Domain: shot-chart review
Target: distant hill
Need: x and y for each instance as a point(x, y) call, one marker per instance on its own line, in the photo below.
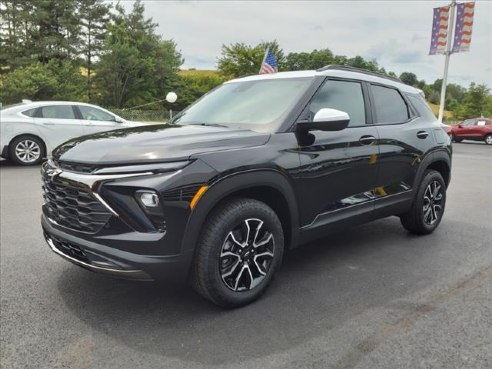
point(198, 72)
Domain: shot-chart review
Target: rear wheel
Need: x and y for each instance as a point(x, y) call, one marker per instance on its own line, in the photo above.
point(27, 150)
point(488, 139)
point(239, 251)
point(428, 205)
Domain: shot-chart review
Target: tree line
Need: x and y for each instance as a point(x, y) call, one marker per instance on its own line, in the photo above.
point(92, 51)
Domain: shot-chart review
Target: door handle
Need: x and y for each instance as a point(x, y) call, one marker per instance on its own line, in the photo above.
point(422, 134)
point(48, 124)
point(367, 140)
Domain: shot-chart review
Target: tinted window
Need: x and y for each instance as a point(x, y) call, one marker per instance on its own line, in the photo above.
point(469, 122)
point(389, 105)
point(422, 107)
point(90, 113)
point(30, 112)
point(58, 112)
point(341, 95)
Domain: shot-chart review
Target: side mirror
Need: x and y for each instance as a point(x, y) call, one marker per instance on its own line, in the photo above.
point(118, 120)
point(326, 119)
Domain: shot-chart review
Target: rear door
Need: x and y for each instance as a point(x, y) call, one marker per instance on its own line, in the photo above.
point(404, 139)
point(58, 123)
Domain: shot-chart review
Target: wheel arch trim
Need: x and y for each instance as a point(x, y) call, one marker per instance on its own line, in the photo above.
point(235, 183)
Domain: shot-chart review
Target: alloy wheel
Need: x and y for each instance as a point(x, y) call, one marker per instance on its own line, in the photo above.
point(432, 202)
point(488, 140)
point(27, 151)
point(246, 255)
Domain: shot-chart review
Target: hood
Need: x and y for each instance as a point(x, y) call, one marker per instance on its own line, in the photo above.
point(151, 143)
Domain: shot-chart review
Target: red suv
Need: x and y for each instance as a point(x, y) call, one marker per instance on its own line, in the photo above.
point(477, 129)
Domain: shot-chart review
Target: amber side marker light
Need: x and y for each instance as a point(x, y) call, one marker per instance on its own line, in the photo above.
point(197, 196)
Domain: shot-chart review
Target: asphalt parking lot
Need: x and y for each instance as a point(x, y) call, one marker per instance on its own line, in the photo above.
point(372, 297)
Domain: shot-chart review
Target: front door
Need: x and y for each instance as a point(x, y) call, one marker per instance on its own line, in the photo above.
point(338, 171)
point(58, 123)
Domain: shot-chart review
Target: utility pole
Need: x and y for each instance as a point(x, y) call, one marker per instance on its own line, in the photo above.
point(446, 61)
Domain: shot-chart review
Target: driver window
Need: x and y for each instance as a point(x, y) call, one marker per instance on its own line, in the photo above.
point(341, 95)
point(90, 113)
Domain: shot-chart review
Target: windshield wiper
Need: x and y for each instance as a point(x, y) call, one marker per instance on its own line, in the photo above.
point(209, 125)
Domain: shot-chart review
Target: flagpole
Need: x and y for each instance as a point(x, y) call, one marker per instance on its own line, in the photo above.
point(264, 58)
point(446, 61)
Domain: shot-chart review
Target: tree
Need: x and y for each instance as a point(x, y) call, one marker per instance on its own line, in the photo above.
point(191, 85)
point(94, 14)
point(38, 81)
point(314, 60)
point(475, 103)
point(409, 79)
point(239, 59)
point(136, 66)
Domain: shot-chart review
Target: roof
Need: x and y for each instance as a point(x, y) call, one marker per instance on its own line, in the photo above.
point(340, 73)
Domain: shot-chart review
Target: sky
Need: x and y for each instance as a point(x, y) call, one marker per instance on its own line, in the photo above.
point(394, 33)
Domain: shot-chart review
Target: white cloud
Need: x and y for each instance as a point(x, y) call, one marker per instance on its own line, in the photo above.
point(395, 33)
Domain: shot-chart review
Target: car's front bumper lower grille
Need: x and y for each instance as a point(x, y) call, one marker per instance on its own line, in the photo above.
point(73, 206)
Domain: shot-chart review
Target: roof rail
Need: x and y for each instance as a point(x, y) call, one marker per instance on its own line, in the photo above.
point(358, 70)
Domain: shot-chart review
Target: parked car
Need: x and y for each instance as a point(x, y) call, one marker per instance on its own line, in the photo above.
point(259, 165)
point(476, 129)
point(31, 130)
point(446, 128)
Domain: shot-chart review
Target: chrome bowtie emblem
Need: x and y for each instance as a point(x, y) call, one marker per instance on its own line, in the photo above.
point(53, 172)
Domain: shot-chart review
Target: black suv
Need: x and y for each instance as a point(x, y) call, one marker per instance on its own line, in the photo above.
point(259, 165)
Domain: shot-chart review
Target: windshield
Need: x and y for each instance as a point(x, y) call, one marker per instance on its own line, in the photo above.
point(258, 105)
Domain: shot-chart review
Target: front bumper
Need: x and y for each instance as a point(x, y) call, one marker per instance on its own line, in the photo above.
point(108, 260)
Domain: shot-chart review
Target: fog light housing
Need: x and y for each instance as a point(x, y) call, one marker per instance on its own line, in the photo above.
point(148, 199)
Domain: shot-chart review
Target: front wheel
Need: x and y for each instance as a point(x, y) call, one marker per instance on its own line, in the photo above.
point(455, 139)
point(428, 205)
point(238, 253)
point(488, 139)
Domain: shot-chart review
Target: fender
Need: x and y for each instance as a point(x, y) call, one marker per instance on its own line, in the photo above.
point(441, 154)
point(231, 184)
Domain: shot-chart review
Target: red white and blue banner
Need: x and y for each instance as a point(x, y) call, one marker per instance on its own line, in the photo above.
point(464, 26)
point(439, 36)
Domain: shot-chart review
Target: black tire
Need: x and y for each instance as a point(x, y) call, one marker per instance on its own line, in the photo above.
point(26, 150)
point(457, 140)
point(212, 263)
point(488, 139)
point(418, 220)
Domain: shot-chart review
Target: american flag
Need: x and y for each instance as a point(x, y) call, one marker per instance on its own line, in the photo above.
point(269, 63)
point(439, 36)
point(464, 25)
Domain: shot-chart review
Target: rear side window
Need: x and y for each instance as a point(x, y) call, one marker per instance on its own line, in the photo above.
point(423, 109)
point(57, 112)
point(30, 112)
point(389, 105)
point(341, 95)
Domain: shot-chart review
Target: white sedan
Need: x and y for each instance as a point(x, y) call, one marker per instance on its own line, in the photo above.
point(31, 130)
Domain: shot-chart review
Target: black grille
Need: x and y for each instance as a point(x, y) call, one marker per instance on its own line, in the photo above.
point(73, 207)
point(76, 167)
point(181, 194)
point(67, 248)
